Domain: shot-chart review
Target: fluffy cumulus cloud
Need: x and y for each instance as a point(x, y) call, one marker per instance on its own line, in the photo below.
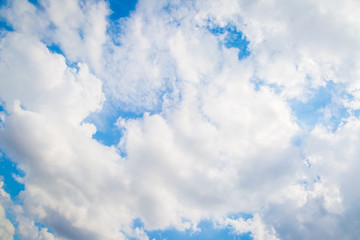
point(217, 109)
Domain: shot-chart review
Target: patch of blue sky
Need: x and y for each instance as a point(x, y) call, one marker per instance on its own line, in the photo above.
point(322, 107)
point(208, 231)
point(35, 3)
point(4, 25)
point(120, 11)
point(9, 172)
point(121, 8)
point(2, 112)
point(242, 215)
point(108, 133)
point(105, 121)
point(55, 48)
point(232, 38)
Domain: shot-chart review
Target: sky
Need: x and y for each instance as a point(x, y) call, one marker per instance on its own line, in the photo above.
point(172, 119)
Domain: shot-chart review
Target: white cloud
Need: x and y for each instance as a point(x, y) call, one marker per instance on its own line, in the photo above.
point(24, 17)
point(42, 81)
point(68, 179)
point(254, 225)
point(215, 146)
point(290, 41)
point(6, 228)
point(79, 28)
point(28, 231)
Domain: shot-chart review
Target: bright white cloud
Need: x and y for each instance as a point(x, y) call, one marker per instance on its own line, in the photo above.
point(43, 83)
point(221, 132)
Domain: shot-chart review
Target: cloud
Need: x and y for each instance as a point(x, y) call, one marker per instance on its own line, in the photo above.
point(214, 134)
point(6, 228)
point(55, 187)
point(25, 227)
point(43, 83)
point(254, 225)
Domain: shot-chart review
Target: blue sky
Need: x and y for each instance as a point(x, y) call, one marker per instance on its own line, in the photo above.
point(8, 168)
point(179, 119)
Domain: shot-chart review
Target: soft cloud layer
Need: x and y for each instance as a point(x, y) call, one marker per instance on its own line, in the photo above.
point(218, 131)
